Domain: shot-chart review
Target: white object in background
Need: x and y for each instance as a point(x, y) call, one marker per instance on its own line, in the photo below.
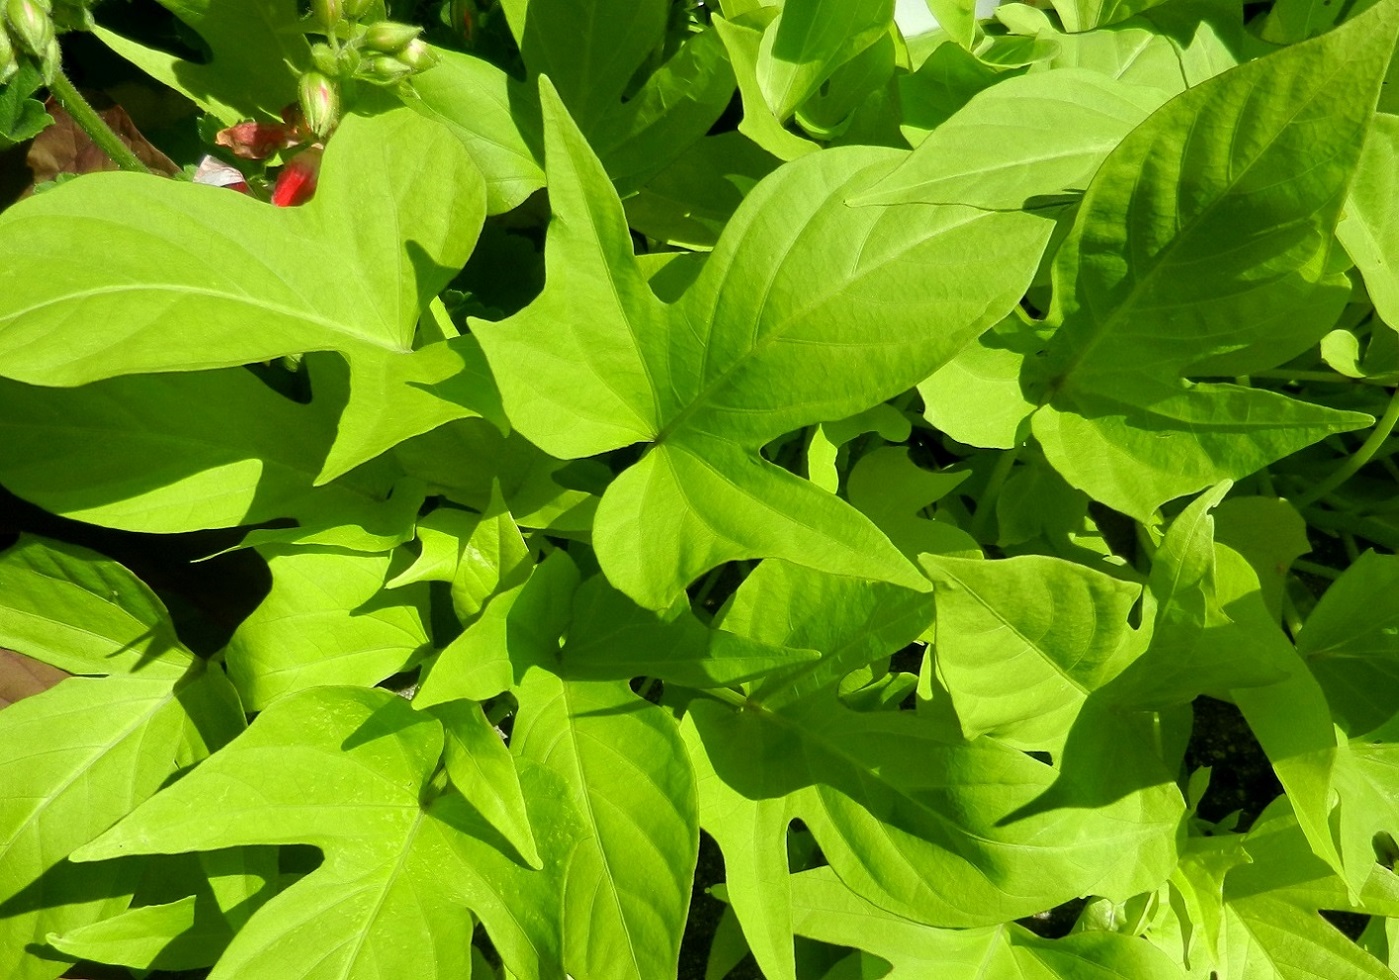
point(914, 17)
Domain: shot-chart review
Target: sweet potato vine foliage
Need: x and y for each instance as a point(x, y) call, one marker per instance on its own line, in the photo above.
point(735, 429)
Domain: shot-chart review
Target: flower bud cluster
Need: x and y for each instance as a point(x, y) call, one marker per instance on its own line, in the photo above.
point(382, 52)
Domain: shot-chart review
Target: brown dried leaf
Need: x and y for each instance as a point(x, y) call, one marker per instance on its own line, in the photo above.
point(21, 677)
point(64, 148)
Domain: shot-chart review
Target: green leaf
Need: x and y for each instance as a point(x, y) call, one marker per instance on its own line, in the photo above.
point(743, 39)
point(21, 118)
point(1021, 143)
point(182, 935)
point(1369, 227)
point(493, 117)
point(612, 638)
point(347, 770)
point(1270, 534)
point(262, 282)
point(626, 890)
point(483, 771)
point(83, 613)
point(750, 351)
point(178, 452)
point(590, 49)
point(676, 107)
point(1351, 644)
point(327, 620)
point(72, 760)
point(894, 492)
point(1232, 275)
point(1085, 15)
point(1022, 643)
point(257, 47)
point(809, 40)
point(828, 910)
point(520, 626)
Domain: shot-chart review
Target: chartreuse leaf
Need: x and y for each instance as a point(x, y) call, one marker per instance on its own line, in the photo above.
point(809, 40)
point(674, 108)
point(256, 49)
point(172, 936)
point(743, 39)
point(626, 888)
point(520, 626)
point(347, 770)
point(612, 638)
point(326, 620)
point(1270, 535)
point(590, 49)
point(1369, 228)
point(1022, 643)
point(893, 491)
point(262, 282)
point(83, 613)
point(1025, 141)
point(1191, 256)
point(778, 331)
point(482, 769)
point(73, 760)
point(1351, 645)
point(1271, 929)
point(828, 910)
point(890, 795)
point(491, 114)
point(175, 452)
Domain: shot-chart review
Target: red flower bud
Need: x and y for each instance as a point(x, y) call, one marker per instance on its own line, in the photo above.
point(258, 141)
point(320, 103)
point(297, 181)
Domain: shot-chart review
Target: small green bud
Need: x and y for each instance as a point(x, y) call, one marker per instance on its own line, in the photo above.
point(30, 26)
point(385, 69)
point(355, 9)
point(320, 103)
point(9, 60)
point(328, 12)
point(325, 60)
point(418, 55)
point(349, 61)
point(390, 37)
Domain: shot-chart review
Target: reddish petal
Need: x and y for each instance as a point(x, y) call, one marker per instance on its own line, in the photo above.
point(297, 181)
point(258, 141)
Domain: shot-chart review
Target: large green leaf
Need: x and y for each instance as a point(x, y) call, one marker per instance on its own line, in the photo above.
point(395, 216)
point(257, 47)
point(828, 910)
point(327, 620)
point(626, 888)
point(1023, 142)
point(83, 613)
point(1207, 256)
point(348, 770)
point(494, 117)
point(176, 452)
point(73, 760)
point(1351, 644)
point(774, 334)
point(590, 49)
point(1369, 230)
point(809, 40)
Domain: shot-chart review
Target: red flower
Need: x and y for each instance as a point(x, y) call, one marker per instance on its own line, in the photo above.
point(297, 181)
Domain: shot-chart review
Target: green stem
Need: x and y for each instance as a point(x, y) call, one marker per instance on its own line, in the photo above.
point(986, 506)
point(1312, 568)
point(1378, 435)
point(1330, 520)
point(92, 124)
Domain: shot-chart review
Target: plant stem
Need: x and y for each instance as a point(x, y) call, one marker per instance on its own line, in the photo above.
point(1312, 568)
point(1330, 520)
point(1378, 435)
point(986, 506)
point(93, 125)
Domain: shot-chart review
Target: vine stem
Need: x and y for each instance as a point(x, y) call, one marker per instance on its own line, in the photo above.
point(92, 124)
point(1378, 435)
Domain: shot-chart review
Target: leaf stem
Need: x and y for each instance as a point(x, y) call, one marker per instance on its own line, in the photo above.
point(1330, 520)
point(1377, 438)
point(986, 506)
point(1313, 568)
point(93, 125)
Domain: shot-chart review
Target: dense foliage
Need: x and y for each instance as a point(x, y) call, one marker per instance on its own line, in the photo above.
point(737, 425)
